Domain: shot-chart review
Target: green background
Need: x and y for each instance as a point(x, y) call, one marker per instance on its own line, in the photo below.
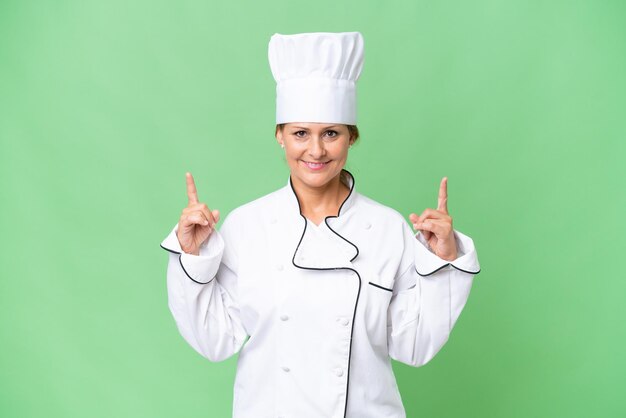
point(105, 104)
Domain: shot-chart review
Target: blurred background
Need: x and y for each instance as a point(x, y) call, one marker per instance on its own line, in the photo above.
point(105, 105)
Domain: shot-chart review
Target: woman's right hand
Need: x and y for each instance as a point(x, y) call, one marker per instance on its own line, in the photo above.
point(196, 222)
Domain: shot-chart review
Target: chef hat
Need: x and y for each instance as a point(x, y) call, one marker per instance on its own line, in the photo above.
point(316, 76)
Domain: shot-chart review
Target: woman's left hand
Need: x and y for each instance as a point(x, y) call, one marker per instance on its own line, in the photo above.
point(436, 226)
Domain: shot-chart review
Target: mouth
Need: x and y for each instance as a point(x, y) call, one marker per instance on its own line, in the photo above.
point(317, 165)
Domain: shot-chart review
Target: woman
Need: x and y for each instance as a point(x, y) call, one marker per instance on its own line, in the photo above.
point(316, 286)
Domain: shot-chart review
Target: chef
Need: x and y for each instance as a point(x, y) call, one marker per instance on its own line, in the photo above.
point(316, 286)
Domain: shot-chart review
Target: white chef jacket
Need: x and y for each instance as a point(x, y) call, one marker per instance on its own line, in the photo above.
point(316, 313)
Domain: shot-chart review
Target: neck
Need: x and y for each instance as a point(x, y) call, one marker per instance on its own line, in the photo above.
point(319, 202)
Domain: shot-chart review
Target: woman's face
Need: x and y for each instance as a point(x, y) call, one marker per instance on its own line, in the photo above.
point(315, 152)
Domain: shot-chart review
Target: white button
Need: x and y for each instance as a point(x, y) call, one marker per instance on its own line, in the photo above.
point(284, 317)
point(368, 225)
point(345, 321)
point(285, 368)
point(279, 267)
point(339, 372)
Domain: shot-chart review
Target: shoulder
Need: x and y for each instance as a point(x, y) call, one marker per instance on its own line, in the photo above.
point(378, 210)
point(256, 207)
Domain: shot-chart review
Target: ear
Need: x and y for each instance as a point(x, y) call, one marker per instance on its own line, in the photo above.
point(279, 136)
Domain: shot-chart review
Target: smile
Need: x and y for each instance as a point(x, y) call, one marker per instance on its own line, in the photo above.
point(314, 166)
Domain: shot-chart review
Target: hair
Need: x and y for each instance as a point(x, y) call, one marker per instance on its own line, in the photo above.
point(352, 129)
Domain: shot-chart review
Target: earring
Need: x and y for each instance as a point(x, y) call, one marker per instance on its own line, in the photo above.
point(282, 145)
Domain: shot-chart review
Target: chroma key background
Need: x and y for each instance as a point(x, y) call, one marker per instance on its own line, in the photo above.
point(105, 104)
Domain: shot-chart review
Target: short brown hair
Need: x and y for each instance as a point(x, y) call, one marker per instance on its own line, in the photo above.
point(354, 131)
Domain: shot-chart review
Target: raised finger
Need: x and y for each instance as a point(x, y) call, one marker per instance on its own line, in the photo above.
point(192, 193)
point(442, 201)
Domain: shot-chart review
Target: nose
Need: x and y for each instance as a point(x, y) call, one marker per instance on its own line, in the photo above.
point(316, 148)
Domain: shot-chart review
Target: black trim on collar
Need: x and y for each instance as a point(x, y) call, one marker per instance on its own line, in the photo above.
point(381, 287)
point(293, 261)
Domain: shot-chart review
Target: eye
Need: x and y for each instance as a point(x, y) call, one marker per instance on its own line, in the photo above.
point(332, 133)
point(298, 134)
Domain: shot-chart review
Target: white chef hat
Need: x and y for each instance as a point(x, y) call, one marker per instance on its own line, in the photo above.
point(316, 76)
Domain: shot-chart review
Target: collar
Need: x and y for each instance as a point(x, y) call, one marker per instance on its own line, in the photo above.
point(347, 203)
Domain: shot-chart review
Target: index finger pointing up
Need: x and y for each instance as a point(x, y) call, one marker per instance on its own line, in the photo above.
point(442, 201)
point(192, 193)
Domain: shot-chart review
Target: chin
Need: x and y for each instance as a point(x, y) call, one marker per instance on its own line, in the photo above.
point(315, 179)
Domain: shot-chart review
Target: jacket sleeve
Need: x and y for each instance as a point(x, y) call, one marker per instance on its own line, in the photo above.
point(428, 296)
point(202, 294)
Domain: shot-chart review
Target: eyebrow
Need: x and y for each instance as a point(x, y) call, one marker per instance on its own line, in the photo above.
point(305, 128)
